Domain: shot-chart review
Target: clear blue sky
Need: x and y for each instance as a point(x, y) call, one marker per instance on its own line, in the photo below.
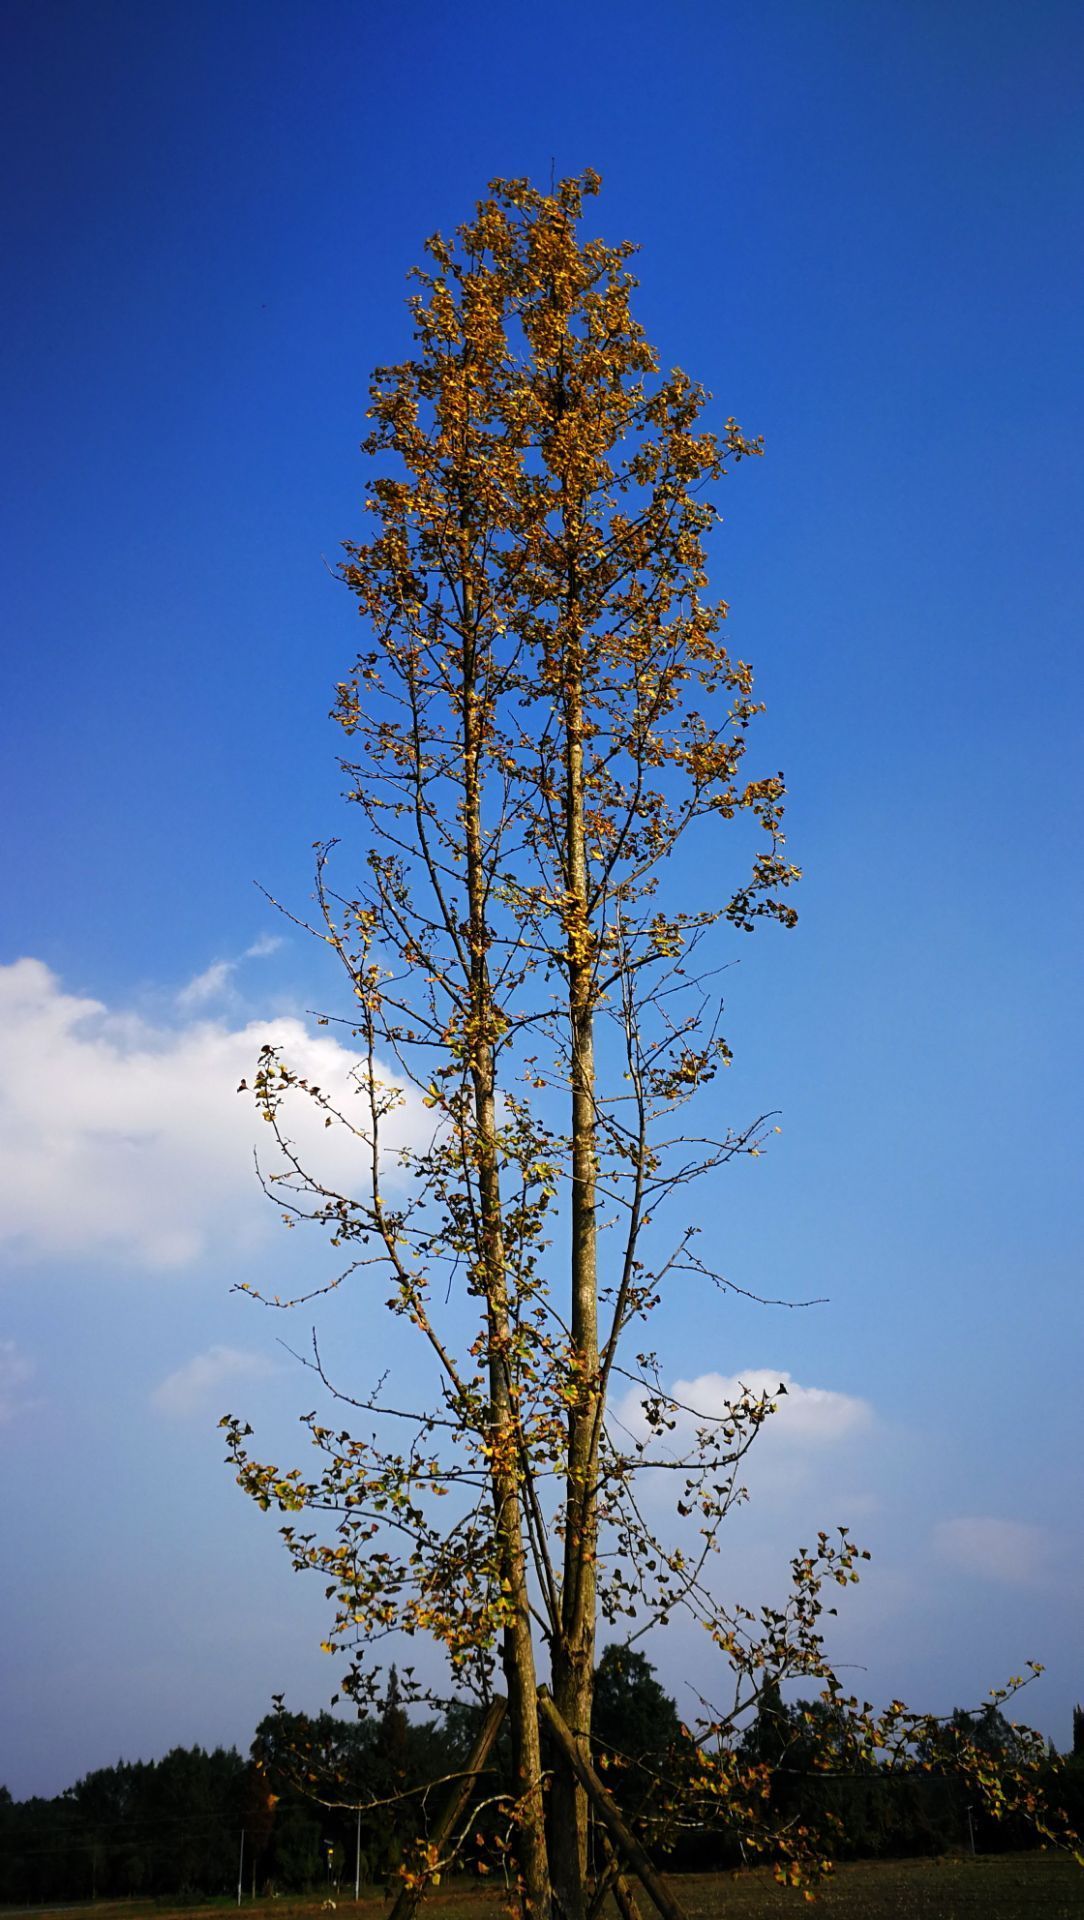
point(860, 225)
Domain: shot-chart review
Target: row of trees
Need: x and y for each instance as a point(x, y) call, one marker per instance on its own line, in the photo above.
point(136, 1828)
point(202, 1822)
point(322, 1800)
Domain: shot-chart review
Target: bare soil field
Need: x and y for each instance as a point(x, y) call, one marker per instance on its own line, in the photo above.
point(1005, 1887)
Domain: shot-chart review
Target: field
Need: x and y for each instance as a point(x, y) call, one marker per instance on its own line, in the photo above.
point(1006, 1887)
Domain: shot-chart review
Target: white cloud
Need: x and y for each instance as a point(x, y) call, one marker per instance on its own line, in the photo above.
point(216, 980)
point(267, 943)
point(814, 1434)
point(804, 1416)
point(208, 985)
point(191, 1388)
point(815, 1416)
point(122, 1138)
point(15, 1372)
point(1009, 1552)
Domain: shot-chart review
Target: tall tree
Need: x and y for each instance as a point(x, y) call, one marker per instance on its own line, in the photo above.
point(632, 1717)
point(542, 714)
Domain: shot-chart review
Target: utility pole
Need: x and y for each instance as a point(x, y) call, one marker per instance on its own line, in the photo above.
point(240, 1866)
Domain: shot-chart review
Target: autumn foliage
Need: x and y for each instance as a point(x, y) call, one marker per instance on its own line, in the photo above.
point(542, 712)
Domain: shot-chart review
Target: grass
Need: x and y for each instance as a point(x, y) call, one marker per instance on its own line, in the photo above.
point(1029, 1886)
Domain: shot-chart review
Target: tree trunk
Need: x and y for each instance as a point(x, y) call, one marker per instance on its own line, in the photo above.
point(504, 1451)
point(574, 1654)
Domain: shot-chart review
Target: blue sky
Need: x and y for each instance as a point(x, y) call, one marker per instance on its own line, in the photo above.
point(860, 228)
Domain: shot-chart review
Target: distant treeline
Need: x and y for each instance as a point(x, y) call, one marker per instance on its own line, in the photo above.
point(320, 1798)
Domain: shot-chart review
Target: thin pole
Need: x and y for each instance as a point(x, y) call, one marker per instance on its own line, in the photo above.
point(357, 1858)
point(240, 1866)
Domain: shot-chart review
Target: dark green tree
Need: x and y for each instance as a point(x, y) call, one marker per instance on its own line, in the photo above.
point(771, 1733)
point(634, 1718)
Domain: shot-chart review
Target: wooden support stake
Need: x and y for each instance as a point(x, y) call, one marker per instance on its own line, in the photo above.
point(623, 1894)
point(627, 1844)
point(408, 1898)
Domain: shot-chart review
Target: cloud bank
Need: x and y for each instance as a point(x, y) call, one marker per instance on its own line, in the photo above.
point(125, 1139)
